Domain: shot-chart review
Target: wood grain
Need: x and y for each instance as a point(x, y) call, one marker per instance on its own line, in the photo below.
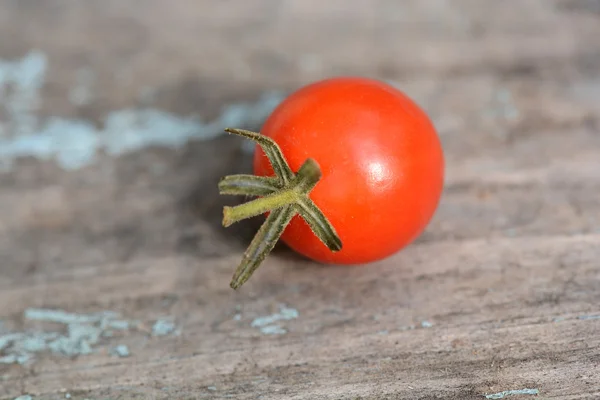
point(502, 292)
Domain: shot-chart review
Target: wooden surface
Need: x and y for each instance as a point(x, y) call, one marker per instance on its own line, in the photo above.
point(502, 293)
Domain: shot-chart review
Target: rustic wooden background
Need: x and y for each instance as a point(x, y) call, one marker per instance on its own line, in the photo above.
point(118, 211)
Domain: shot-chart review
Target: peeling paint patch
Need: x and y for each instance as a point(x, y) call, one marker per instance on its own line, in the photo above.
point(14, 359)
point(24, 397)
point(63, 317)
point(20, 84)
point(426, 324)
point(163, 327)
point(588, 317)
point(120, 351)
point(74, 143)
point(506, 393)
point(78, 336)
point(268, 324)
point(273, 330)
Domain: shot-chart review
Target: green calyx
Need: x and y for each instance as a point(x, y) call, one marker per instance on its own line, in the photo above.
point(282, 196)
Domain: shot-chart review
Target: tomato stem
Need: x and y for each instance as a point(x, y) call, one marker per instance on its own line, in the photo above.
point(259, 206)
point(282, 196)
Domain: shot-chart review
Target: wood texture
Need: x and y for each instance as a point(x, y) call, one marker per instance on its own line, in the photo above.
point(502, 292)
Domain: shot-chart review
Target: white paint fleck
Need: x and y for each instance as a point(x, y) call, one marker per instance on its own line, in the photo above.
point(588, 317)
point(285, 313)
point(506, 393)
point(237, 317)
point(426, 324)
point(163, 327)
point(79, 340)
point(74, 143)
point(120, 351)
point(5, 340)
point(15, 359)
point(35, 343)
point(119, 325)
point(273, 330)
point(24, 397)
point(212, 388)
point(20, 83)
point(267, 324)
point(63, 317)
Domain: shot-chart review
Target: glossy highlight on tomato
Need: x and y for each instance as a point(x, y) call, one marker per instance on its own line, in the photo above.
point(381, 161)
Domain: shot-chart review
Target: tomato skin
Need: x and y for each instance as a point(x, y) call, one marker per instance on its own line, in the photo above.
point(381, 159)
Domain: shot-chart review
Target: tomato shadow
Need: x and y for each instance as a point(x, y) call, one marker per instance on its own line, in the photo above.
point(285, 253)
point(201, 202)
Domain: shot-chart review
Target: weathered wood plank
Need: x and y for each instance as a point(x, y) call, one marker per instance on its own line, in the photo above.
point(484, 313)
point(501, 293)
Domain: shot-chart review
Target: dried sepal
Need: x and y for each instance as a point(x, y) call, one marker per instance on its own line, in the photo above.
point(262, 244)
point(282, 196)
point(272, 151)
point(248, 185)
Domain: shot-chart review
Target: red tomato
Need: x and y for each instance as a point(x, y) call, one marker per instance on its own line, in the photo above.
point(381, 159)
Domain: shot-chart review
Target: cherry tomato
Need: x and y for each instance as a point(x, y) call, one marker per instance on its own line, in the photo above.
point(381, 159)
